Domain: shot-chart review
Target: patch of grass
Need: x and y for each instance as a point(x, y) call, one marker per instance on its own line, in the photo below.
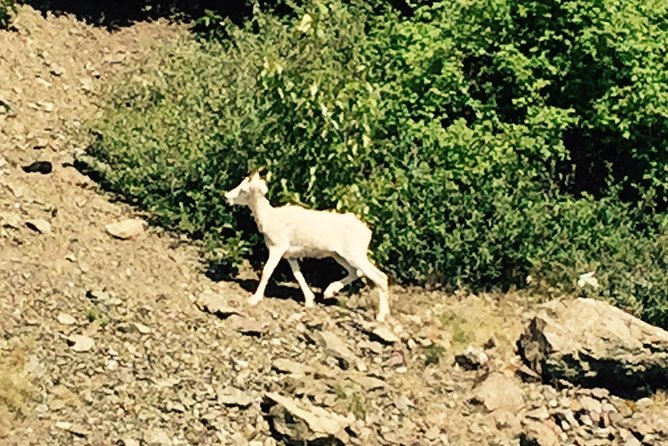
point(460, 327)
point(339, 391)
point(474, 320)
point(94, 314)
point(433, 354)
point(15, 388)
point(358, 406)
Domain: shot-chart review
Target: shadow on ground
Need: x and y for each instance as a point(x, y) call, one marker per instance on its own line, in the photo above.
point(115, 14)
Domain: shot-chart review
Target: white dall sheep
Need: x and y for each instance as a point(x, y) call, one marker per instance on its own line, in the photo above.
point(293, 232)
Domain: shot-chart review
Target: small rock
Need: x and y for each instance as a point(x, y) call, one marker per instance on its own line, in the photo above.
point(247, 326)
point(64, 425)
point(175, 407)
point(499, 392)
point(539, 414)
point(130, 442)
point(40, 143)
point(590, 404)
point(231, 396)
point(600, 393)
point(403, 403)
point(10, 220)
point(372, 346)
point(586, 420)
point(56, 405)
point(432, 433)
point(47, 106)
point(86, 83)
point(39, 225)
point(78, 430)
point(126, 229)
point(97, 296)
point(80, 343)
point(156, 437)
point(628, 438)
point(368, 382)
point(506, 420)
point(472, 359)
point(384, 335)
point(288, 366)
point(141, 328)
point(43, 167)
point(567, 419)
point(56, 70)
point(539, 434)
point(396, 360)
point(301, 422)
point(215, 304)
point(66, 319)
point(335, 347)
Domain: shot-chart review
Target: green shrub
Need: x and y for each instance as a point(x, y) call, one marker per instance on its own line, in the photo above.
point(444, 131)
point(7, 10)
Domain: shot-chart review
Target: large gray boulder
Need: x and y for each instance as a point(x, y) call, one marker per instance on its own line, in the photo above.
point(594, 344)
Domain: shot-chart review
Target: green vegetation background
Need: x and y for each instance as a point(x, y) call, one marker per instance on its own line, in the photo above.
point(488, 143)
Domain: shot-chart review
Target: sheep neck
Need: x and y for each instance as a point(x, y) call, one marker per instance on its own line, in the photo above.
point(260, 208)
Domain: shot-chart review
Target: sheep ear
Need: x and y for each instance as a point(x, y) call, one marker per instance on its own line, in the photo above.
point(255, 173)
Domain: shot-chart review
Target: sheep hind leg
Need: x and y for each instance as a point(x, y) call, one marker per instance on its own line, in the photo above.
point(380, 279)
point(309, 297)
point(338, 285)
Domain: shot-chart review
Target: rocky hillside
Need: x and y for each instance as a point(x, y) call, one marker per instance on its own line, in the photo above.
point(112, 335)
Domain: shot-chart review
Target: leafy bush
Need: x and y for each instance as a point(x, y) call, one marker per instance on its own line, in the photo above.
point(7, 10)
point(449, 131)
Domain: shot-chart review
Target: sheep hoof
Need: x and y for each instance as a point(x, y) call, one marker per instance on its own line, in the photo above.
point(254, 299)
point(380, 317)
point(309, 301)
point(331, 290)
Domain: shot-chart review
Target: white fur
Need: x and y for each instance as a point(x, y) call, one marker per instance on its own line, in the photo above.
point(293, 232)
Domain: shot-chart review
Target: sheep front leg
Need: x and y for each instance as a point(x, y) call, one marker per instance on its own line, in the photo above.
point(309, 297)
point(275, 255)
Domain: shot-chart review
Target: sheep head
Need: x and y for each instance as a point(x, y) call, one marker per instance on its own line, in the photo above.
point(251, 186)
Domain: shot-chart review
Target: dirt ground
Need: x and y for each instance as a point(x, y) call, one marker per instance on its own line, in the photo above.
point(161, 370)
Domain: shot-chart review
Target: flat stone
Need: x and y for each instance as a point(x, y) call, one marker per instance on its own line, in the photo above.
point(288, 366)
point(247, 326)
point(10, 219)
point(66, 319)
point(215, 304)
point(335, 347)
point(80, 343)
point(385, 335)
point(231, 396)
point(539, 414)
point(298, 421)
point(368, 382)
point(157, 437)
point(499, 392)
point(39, 225)
point(141, 328)
point(126, 229)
